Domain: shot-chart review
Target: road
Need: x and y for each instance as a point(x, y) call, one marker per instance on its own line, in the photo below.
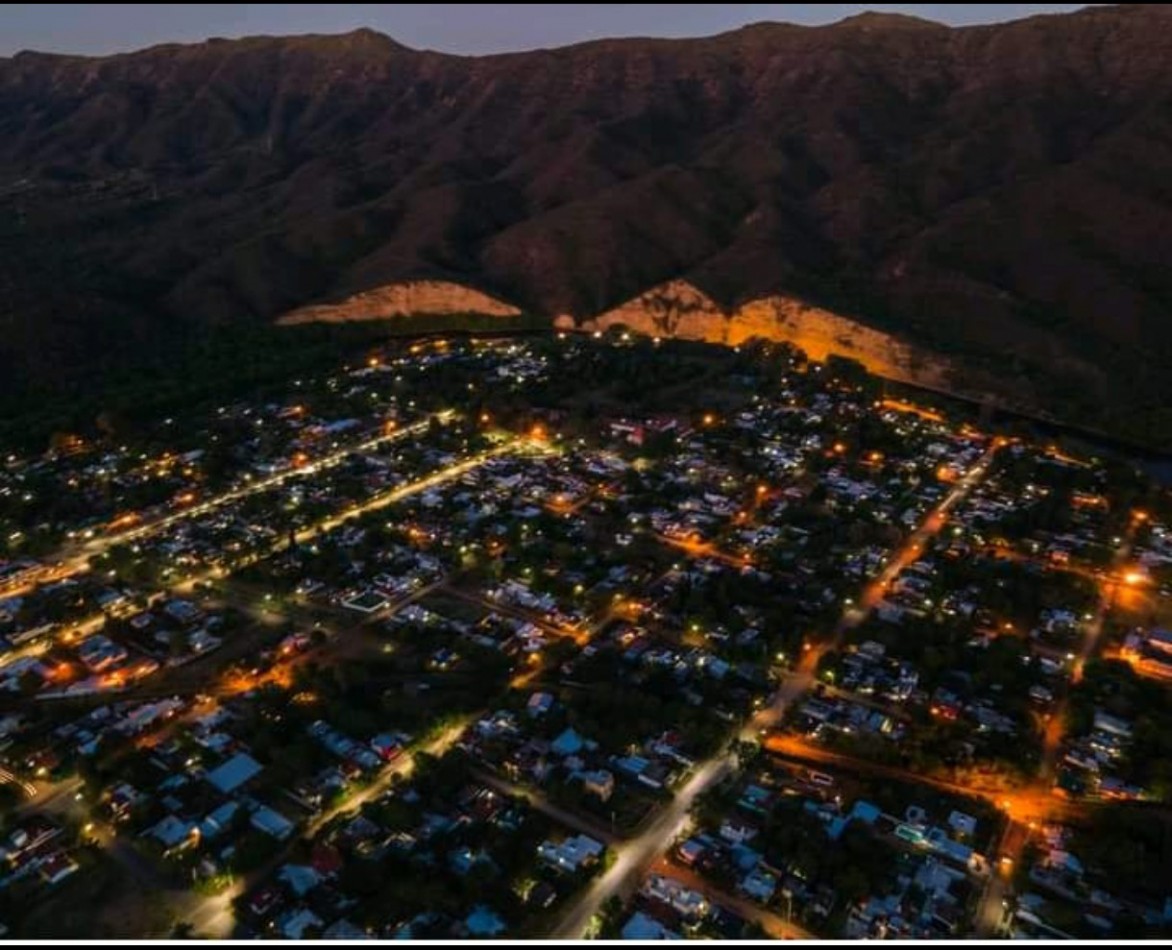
point(559, 506)
point(635, 856)
point(994, 905)
point(401, 768)
point(1028, 803)
point(54, 798)
point(8, 778)
point(1109, 586)
point(100, 545)
point(74, 558)
point(434, 480)
point(913, 547)
point(704, 549)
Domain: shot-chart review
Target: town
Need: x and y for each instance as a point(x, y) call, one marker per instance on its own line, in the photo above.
point(566, 635)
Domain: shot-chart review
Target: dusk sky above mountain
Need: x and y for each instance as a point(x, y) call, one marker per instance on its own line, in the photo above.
point(103, 28)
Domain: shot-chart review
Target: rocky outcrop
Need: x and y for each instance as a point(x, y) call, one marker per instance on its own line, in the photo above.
point(411, 298)
point(679, 309)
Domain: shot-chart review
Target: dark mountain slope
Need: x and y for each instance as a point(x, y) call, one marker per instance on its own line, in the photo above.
point(1001, 193)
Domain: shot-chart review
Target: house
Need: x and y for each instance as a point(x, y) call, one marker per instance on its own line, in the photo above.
point(939, 842)
point(172, 832)
point(1112, 725)
point(651, 774)
point(570, 854)
point(387, 747)
point(759, 884)
point(202, 642)
point(568, 743)
point(57, 867)
point(123, 797)
point(182, 611)
point(756, 799)
point(735, 831)
point(962, 824)
point(690, 903)
point(500, 723)
point(214, 823)
point(110, 600)
point(539, 704)
point(264, 901)
point(463, 859)
point(293, 924)
point(865, 812)
point(599, 782)
point(100, 653)
point(668, 746)
point(690, 851)
point(299, 878)
point(484, 923)
point(272, 823)
point(234, 773)
point(343, 930)
point(642, 927)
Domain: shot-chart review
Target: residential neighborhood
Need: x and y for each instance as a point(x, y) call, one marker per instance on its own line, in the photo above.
point(585, 635)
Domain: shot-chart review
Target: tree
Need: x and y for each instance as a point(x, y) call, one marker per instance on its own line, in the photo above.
point(611, 914)
point(177, 643)
point(29, 683)
point(746, 753)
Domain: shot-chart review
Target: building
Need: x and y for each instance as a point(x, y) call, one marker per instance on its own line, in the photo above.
point(571, 854)
point(234, 773)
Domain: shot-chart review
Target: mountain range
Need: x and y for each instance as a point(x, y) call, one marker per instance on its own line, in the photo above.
point(985, 209)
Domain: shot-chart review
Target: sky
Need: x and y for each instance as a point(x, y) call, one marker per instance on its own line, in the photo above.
point(97, 28)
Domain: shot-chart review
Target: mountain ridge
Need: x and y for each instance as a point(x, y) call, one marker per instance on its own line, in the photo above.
point(995, 193)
